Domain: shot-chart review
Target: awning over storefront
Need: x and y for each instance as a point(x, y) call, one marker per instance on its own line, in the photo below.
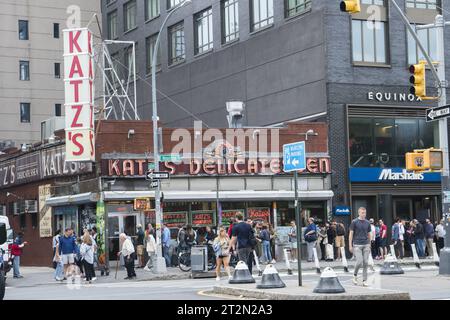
point(81, 198)
point(223, 195)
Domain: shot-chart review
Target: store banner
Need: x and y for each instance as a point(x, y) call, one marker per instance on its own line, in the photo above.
point(259, 214)
point(227, 215)
point(45, 212)
point(397, 175)
point(79, 94)
point(203, 218)
point(175, 219)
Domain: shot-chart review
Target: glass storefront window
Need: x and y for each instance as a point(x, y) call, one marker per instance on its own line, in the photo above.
point(286, 212)
point(383, 142)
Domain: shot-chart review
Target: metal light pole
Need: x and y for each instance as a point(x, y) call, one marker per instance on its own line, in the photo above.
point(160, 264)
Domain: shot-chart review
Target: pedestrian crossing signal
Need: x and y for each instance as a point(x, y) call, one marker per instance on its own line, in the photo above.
point(351, 6)
point(414, 161)
point(424, 160)
point(418, 79)
point(433, 159)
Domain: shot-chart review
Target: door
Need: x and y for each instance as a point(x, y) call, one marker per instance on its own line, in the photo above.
point(117, 224)
point(403, 209)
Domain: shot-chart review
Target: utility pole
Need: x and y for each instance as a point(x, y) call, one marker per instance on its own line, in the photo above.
point(441, 84)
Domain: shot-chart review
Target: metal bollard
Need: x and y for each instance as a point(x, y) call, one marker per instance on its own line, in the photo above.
point(288, 264)
point(316, 261)
point(344, 259)
point(435, 255)
point(257, 263)
point(415, 256)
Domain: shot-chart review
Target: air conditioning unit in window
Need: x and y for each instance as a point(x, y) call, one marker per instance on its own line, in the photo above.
point(31, 206)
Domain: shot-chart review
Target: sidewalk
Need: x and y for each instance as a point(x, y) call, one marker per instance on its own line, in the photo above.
point(35, 276)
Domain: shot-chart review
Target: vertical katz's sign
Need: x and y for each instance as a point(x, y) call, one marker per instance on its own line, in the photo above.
point(79, 92)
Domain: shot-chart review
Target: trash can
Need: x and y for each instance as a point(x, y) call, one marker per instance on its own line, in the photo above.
point(199, 259)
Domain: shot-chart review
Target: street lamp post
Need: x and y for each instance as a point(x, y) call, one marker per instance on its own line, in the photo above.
point(161, 264)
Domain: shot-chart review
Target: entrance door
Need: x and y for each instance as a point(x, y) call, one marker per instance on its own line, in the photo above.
point(117, 224)
point(403, 209)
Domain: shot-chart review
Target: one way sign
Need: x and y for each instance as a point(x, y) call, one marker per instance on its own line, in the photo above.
point(438, 113)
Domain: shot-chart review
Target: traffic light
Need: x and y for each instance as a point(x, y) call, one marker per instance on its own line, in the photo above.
point(433, 159)
point(351, 6)
point(418, 79)
point(414, 161)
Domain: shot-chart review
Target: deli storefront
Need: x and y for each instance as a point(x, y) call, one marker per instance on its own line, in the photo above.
point(209, 193)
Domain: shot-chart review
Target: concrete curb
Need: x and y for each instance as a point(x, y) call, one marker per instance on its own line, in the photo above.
point(271, 295)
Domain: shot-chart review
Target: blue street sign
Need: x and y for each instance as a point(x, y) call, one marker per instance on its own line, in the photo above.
point(294, 156)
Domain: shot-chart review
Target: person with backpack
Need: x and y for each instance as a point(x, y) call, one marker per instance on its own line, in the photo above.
point(221, 247)
point(87, 257)
point(243, 239)
point(311, 238)
point(265, 237)
point(340, 239)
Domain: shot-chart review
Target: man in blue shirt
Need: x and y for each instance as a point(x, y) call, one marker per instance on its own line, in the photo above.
point(243, 239)
point(67, 248)
point(165, 239)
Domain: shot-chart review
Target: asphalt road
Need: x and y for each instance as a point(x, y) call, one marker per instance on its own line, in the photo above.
point(422, 284)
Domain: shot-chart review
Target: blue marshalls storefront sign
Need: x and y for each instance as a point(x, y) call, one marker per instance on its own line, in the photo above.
point(393, 175)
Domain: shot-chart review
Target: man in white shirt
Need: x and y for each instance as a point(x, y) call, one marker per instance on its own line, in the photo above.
point(440, 234)
point(128, 255)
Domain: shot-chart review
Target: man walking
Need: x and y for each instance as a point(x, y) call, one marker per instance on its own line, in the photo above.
point(359, 244)
point(440, 235)
point(243, 236)
point(340, 239)
point(128, 255)
point(67, 248)
point(165, 240)
point(429, 236)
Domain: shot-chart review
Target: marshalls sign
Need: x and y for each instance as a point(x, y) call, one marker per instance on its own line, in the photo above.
point(79, 92)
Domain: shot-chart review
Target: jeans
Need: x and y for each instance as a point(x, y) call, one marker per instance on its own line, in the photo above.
point(310, 246)
point(266, 250)
point(166, 256)
point(59, 271)
point(361, 253)
point(16, 266)
point(246, 255)
point(420, 246)
point(151, 260)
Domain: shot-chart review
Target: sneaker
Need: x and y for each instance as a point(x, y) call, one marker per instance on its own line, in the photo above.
point(365, 284)
point(94, 279)
point(355, 280)
point(146, 268)
point(230, 277)
point(273, 261)
point(217, 278)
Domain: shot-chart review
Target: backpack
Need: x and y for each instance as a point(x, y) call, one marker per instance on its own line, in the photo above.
point(340, 231)
point(252, 239)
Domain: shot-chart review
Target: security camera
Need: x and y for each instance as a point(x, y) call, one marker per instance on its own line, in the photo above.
point(235, 108)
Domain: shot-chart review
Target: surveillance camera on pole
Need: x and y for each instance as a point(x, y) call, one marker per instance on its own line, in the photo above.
point(235, 113)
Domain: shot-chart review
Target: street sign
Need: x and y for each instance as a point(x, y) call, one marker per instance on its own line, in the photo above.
point(438, 113)
point(150, 166)
point(154, 184)
point(157, 175)
point(170, 157)
point(294, 156)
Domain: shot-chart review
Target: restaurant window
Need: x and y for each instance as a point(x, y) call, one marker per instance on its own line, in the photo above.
point(261, 14)
point(112, 24)
point(383, 142)
point(23, 30)
point(150, 43)
point(152, 9)
point(177, 49)
point(203, 28)
point(129, 14)
point(427, 38)
point(230, 20)
point(294, 7)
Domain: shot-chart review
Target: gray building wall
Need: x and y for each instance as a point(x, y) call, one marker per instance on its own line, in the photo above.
point(278, 72)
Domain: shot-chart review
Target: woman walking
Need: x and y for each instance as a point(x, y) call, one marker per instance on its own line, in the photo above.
point(87, 256)
point(222, 249)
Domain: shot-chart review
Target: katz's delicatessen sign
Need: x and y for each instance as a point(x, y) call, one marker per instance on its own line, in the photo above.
point(79, 94)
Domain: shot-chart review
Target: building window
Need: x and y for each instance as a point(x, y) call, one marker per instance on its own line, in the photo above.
point(129, 13)
point(369, 41)
point(129, 62)
point(203, 31)
point(261, 14)
point(230, 20)
point(23, 29)
point(428, 39)
point(24, 70)
point(294, 7)
point(56, 30)
point(152, 9)
point(373, 2)
point(25, 113)
point(58, 110)
point(383, 142)
point(57, 70)
point(422, 4)
point(108, 2)
point(150, 43)
point(173, 3)
point(112, 25)
point(177, 50)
